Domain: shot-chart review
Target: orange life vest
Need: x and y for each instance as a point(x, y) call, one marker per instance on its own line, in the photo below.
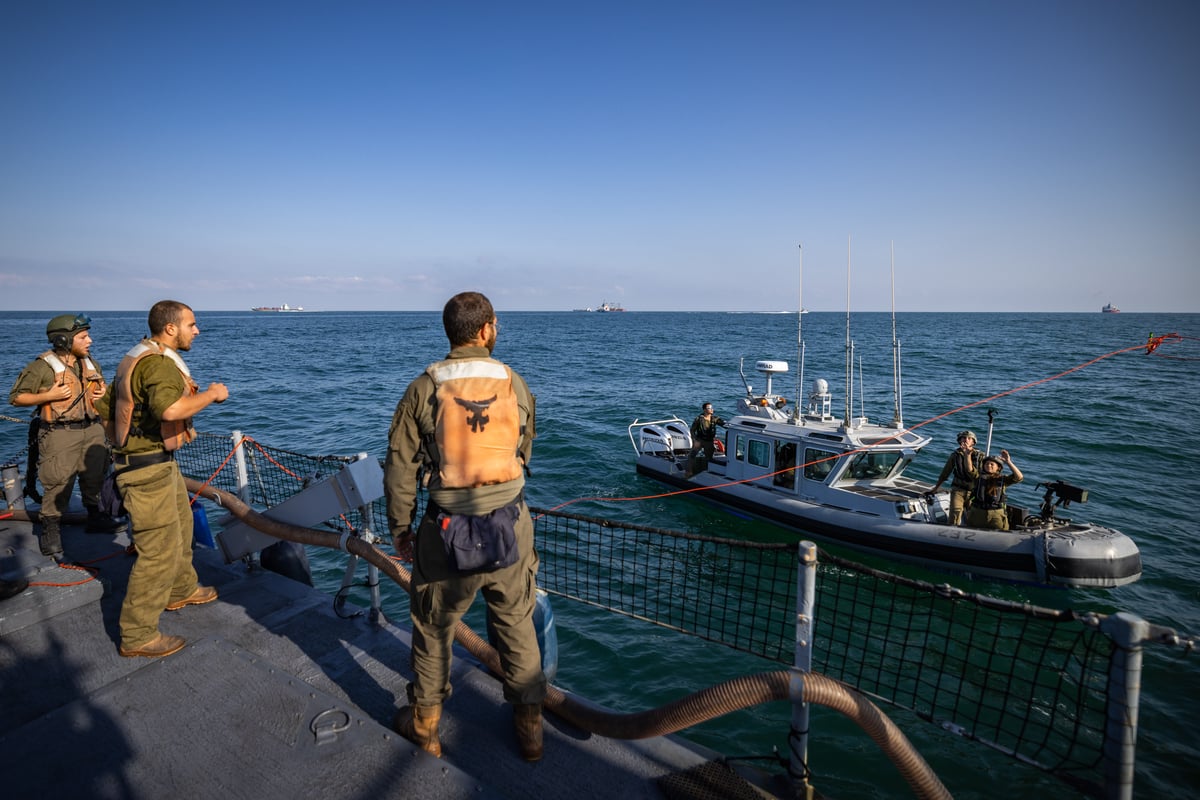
point(80, 405)
point(175, 433)
point(477, 422)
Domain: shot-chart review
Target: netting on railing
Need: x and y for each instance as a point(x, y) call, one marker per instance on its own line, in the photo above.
point(1031, 682)
point(273, 475)
point(741, 594)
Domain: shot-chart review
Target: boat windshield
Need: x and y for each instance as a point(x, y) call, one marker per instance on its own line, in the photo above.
point(869, 465)
point(818, 464)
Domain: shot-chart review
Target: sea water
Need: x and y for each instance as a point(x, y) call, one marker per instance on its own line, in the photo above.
point(1123, 427)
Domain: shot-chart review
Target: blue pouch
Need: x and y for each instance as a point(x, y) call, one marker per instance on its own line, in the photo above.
point(480, 543)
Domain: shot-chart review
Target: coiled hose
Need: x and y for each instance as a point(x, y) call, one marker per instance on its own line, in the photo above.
point(706, 704)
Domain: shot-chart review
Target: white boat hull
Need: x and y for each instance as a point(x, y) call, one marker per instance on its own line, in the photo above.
point(1063, 554)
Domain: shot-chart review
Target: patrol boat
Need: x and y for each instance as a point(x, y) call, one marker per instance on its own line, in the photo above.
point(843, 480)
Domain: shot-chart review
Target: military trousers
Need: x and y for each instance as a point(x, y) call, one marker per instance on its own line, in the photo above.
point(439, 597)
point(64, 454)
point(160, 520)
point(960, 501)
point(996, 518)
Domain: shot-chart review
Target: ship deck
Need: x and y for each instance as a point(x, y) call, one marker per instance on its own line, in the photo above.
point(275, 695)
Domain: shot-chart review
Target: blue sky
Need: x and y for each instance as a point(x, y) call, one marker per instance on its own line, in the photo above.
point(1021, 156)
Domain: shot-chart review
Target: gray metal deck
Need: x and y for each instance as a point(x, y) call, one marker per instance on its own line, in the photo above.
point(274, 696)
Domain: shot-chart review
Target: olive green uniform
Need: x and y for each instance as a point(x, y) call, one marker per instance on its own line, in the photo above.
point(66, 449)
point(157, 501)
point(439, 596)
point(963, 482)
point(993, 518)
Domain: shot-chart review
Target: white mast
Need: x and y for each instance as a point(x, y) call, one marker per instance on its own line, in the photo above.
point(898, 413)
point(849, 357)
point(797, 417)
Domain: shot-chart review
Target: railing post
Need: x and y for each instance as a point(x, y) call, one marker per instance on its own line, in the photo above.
point(1127, 632)
point(806, 592)
point(368, 535)
point(243, 477)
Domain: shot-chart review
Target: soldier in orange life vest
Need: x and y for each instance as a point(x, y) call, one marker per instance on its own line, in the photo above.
point(469, 422)
point(64, 384)
point(148, 411)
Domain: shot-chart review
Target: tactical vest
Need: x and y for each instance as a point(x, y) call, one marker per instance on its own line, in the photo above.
point(477, 423)
point(963, 478)
point(80, 405)
point(175, 433)
point(989, 493)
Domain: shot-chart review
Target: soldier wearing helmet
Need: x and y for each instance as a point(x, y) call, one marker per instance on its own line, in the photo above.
point(989, 506)
point(63, 384)
point(964, 464)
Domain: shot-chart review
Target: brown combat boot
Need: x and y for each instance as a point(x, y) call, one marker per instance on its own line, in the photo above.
point(419, 724)
point(527, 722)
point(161, 645)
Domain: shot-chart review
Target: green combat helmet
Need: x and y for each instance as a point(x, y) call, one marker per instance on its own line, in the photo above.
point(62, 329)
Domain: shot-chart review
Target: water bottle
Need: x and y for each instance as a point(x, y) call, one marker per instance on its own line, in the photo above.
point(201, 533)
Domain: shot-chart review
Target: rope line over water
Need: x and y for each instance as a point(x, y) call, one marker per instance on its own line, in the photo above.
point(1150, 347)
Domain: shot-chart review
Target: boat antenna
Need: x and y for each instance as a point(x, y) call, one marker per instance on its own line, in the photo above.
point(797, 417)
point(991, 419)
point(862, 400)
point(898, 412)
point(849, 364)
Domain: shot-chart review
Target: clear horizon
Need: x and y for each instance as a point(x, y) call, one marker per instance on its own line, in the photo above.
point(1032, 157)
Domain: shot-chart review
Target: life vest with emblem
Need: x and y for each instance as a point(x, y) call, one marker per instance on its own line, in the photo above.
point(477, 423)
point(175, 433)
point(80, 405)
point(989, 493)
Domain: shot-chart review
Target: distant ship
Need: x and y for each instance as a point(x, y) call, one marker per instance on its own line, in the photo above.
point(284, 307)
point(1109, 308)
point(607, 306)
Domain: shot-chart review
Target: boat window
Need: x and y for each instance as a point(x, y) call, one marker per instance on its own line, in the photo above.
point(871, 465)
point(759, 453)
point(818, 464)
point(785, 464)
point(739, 448)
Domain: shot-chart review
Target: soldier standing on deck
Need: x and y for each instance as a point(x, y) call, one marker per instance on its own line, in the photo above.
point(149, 410)
point(64, 384)
point(471, 418)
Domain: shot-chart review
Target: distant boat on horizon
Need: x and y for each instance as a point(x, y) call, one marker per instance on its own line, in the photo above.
point(1109, 308)
point(607, 306)
point(282, 308)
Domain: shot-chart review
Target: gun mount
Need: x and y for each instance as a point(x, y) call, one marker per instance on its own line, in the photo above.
point(1060, 493)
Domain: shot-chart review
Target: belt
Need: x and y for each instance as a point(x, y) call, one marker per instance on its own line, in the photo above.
point(142, 459)
point(77, 424)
